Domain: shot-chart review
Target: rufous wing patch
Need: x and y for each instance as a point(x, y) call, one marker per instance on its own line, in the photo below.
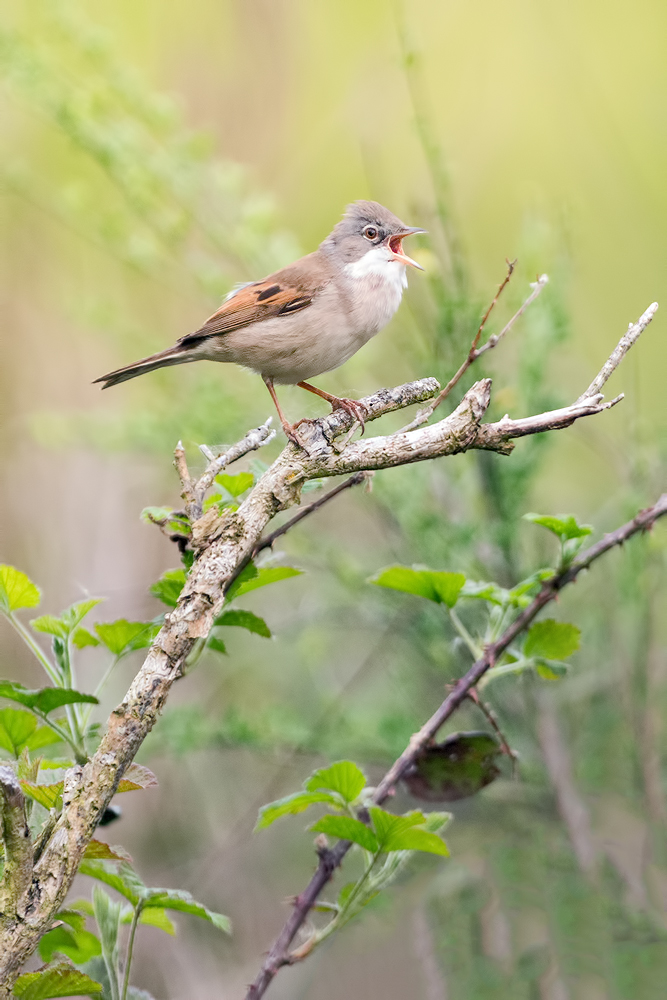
point(251, 304)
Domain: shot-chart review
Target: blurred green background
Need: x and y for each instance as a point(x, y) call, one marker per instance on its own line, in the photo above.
point(153, 154)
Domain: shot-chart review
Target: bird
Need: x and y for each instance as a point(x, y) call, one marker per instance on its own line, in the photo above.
point(307, 318)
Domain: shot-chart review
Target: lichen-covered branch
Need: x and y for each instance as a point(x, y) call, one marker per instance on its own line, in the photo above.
point(15, 839)
point(223, 543)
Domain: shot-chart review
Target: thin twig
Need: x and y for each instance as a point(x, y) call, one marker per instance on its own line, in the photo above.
point(268, 540)
point(475, 351)
point(630, 337)
point(279, 955)
point(253, 440)
point(492, 719)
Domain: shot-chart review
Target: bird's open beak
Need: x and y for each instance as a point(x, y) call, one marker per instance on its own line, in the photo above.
point(396, 247)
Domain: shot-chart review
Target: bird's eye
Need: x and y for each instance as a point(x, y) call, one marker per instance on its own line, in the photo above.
point(371, 233)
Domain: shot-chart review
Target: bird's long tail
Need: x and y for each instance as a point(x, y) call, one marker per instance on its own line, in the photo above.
point(177, 355)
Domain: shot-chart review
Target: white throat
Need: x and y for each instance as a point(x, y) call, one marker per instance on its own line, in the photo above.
point(377, 263)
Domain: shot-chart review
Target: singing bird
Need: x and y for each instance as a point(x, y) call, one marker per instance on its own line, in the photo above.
point(309, 317)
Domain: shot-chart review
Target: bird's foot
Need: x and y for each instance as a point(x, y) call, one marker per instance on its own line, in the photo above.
point(356, 409)
point(291, 434)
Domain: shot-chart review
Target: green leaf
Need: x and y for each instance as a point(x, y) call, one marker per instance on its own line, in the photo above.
point(168, 588)
point(552, 640)
point(262, 578)
point(236, 485)
point(43, 736)
point(137, 776)
point(249, 572)
point(44, 699)
point(182, 902)
point(244, 619)
point(82, 638)
point(441, 587)
point(346, 828)
point(16, 590)
point(157, 917)
point(61, 980)
point(178, 524)
point(16, 728)
point(122, 637)
point(119, 875)
point(107, 915)
point(389, 827)
point(217, 645)
point(49, 796)
point(343, 777)
point(550, 670)
point(490, 592)
point(564, 527)
point(80, 945)
point(417, 840)
point(51, 625)
point(460, 766)
point(290, 806)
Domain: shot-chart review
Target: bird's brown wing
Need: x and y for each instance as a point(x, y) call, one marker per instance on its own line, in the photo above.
point(282, 293)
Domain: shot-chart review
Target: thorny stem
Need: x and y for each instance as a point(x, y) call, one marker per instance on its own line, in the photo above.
point(279, 953)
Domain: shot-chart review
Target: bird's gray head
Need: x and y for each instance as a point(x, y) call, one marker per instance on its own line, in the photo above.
point(368, 226)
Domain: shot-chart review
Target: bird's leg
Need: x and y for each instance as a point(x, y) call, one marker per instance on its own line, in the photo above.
point(286, 426)
point(356, 409)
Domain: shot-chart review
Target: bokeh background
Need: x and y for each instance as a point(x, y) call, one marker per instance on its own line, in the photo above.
point(152, 154)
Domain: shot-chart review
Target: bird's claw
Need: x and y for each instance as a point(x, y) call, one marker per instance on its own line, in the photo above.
point(356, 410)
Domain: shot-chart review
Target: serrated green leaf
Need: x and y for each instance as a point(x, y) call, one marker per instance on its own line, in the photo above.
point(16, 728)
point(79, 945)
point(290, 806)
point(236, 485)
point(388, 826)
point(441, 587)
point(552, 640)
point(16, 590)
point(50, 796)
point(51, 625)
point(61, 980)
point(168, 588)
point(347, 828)
point(262, 578)
point(154, 916)
point(82, 638)
point(44, 699)
point(119, 875)
point(565, 526)
point(122, 636)
point(216, 644)
point(244, 619)
point(182, 902)
point(249, 572)
point(417, 840)
point(343, 777)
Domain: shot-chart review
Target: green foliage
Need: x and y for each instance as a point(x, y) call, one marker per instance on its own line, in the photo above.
point(570, 534)
point(235, 485)
point(16, 590)
point(122, 637)
point(168, 588)
point(441, 587)
point(343, 778)
point(60, 980)
point(19, 731)
point(347, 828)
point(244, 619)
point(62, 626)
point(44, 700)
point(551, 639)
point(252, 577)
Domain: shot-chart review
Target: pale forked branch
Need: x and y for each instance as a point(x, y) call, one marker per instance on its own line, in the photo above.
point(223, 542)
point(630, 337)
